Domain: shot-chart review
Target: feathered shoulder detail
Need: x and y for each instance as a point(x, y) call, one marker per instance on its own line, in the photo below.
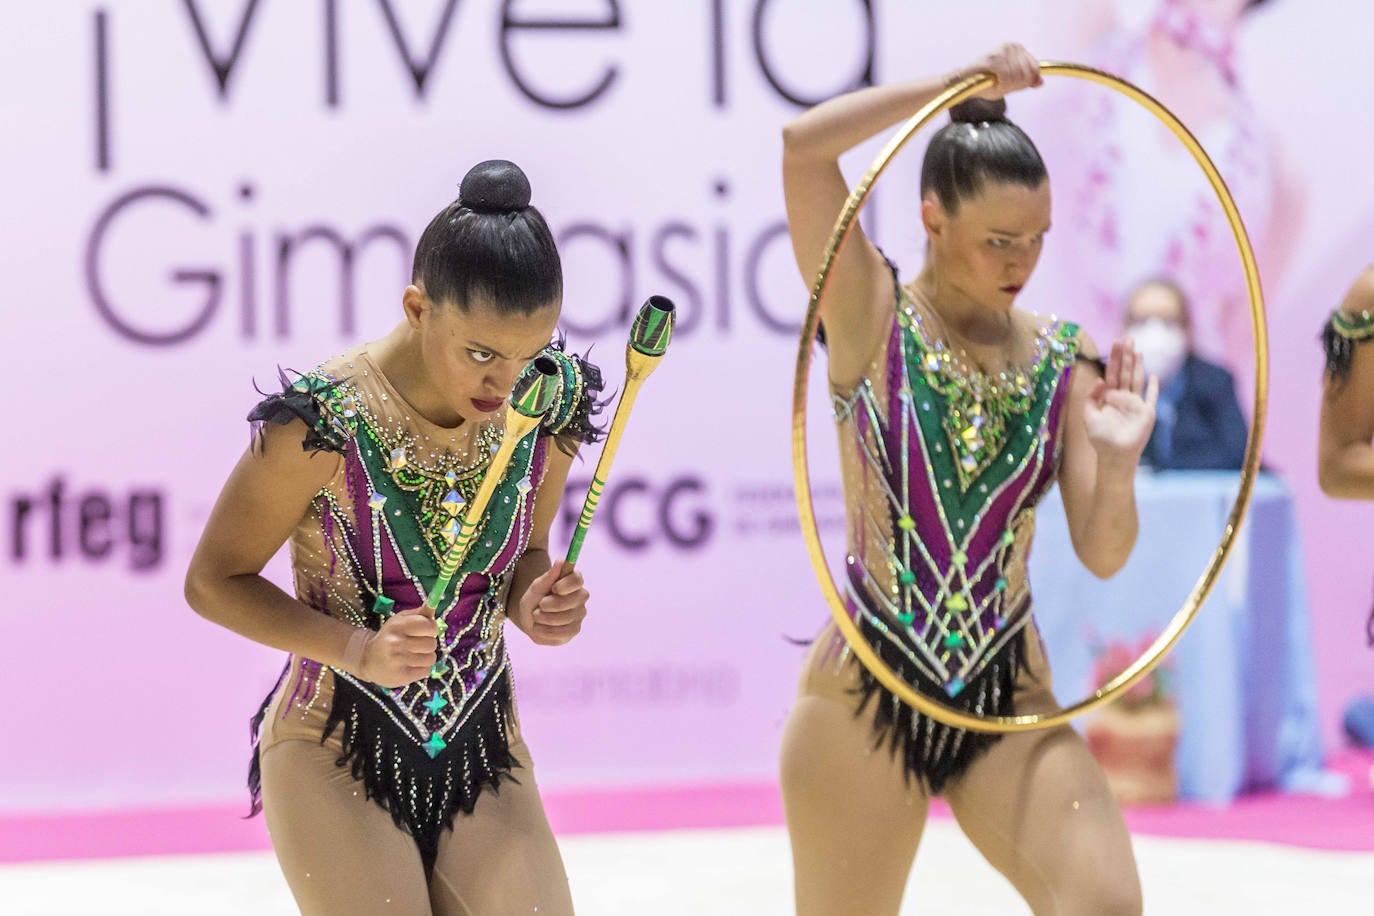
point(325, 404)
point(572, 421)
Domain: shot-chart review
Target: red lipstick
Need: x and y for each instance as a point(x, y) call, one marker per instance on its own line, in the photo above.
point(487, 406)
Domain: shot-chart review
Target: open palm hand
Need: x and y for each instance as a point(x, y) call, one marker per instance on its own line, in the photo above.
point(1120, 412)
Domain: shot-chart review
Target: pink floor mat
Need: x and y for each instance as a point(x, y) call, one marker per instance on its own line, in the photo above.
point(1345, 823)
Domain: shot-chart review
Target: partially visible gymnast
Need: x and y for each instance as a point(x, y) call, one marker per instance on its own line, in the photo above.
point(388, 758)
point(957, 411)
point(1345, 455)
point(1345, 444)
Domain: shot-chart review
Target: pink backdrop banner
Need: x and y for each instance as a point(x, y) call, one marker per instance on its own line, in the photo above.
point(197, 193)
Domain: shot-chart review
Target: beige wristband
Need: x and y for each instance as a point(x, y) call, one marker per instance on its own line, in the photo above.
point(353, 652)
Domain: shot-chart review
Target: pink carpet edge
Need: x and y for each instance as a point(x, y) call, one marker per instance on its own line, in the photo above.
point(1345, 824)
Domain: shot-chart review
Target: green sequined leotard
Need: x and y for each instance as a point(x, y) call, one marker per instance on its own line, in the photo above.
point(371, 543)
point(943, 467)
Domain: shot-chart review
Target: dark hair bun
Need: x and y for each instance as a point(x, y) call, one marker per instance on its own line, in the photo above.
point(495, 186)
point(976, 110)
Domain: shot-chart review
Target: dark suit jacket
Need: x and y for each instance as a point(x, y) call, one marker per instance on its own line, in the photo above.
point(1209, 431)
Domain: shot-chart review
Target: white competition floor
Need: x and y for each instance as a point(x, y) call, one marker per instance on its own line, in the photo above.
point(737, 871)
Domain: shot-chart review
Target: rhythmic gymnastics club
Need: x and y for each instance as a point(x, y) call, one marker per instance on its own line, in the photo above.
point(534, 391)
point(649, 337)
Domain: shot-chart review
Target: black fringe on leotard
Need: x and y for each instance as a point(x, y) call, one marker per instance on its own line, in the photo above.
point(254, 765)
point(933, 753)
point(422, 794)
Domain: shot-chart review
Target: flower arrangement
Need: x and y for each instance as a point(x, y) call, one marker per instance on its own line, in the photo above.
point(1134, 739)
point(1112, 658)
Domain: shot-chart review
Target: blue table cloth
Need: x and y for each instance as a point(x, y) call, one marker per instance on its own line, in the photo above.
point(1243, 675)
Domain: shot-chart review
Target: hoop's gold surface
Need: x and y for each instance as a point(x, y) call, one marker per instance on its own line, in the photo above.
point(1161, 646)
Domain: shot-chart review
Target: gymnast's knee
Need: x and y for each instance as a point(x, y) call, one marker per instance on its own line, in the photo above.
point(1108, 893)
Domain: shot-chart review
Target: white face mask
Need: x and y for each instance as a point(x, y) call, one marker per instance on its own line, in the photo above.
point(1161, 344)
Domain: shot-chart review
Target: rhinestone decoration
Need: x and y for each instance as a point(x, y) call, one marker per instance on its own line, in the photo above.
point(453, 503)
point(941, 595)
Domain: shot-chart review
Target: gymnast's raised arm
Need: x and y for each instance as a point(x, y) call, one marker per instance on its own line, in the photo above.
point(858, 299)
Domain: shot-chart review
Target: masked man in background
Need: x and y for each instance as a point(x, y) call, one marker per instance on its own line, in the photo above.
point(1198, 423)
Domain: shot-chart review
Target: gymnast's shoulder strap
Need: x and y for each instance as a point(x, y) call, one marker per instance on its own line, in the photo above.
point(1069, 336)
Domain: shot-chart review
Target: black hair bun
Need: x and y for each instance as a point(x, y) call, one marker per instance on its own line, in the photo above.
point(976, 110)
point(495, 186)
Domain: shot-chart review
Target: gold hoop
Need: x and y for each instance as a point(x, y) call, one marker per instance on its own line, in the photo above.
point(1161, 646)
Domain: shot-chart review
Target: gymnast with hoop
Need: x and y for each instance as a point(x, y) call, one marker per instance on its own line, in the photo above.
point(956, 412)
